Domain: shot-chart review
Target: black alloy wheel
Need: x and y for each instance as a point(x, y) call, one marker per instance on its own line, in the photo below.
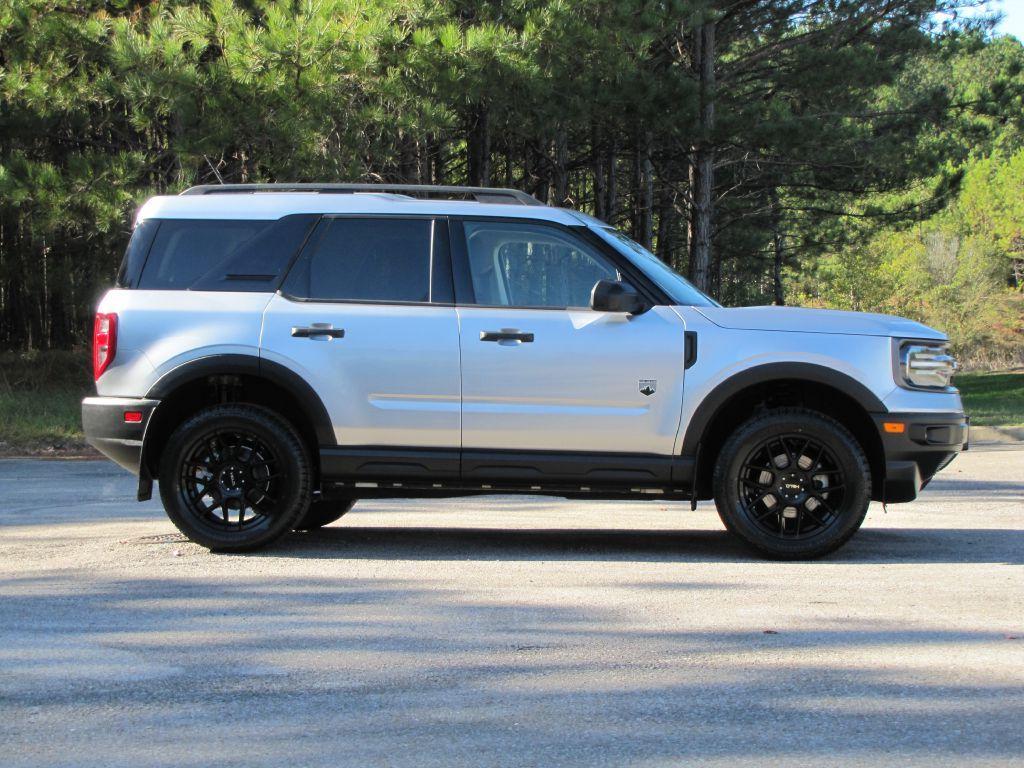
point(792, 483)
point(230, 479)
point(235, 477)
point(791, 486)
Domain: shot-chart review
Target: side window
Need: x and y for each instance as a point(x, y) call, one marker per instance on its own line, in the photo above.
point(185, 249)
point(518, 264)
point(367, 259)
point(259, 262)
point(135, 254)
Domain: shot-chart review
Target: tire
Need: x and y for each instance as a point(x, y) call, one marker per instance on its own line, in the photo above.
point(235, 477)
point(792, 483)
point(323, 512)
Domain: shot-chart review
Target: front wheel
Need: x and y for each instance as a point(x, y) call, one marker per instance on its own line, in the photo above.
point(235, 477)
point(792, 483)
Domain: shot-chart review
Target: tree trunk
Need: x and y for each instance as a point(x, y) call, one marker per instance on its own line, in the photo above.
point(634, 191)
point(612, 188)
point(596, 172)
point(439, 150)
point(780, 298)
point(408, 163)
point(541, 173)
point(778, 251)
point(509, 165)
point(425, 146)
point(600, 199)
point(666, 223)
point(700, 213)
point(646, 194)
point(478, 149)
point(703, 162)
point(560, 182)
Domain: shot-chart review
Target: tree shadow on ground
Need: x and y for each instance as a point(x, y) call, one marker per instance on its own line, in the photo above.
point(343, 670)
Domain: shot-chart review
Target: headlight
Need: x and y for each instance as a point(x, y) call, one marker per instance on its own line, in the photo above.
point(925, 365)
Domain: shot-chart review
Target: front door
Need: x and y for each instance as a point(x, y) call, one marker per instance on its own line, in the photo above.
point(541, 371)
point(365, 316)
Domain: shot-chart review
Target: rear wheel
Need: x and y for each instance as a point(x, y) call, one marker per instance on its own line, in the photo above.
point(235, 477)
point(323, 512)
point(792, 483)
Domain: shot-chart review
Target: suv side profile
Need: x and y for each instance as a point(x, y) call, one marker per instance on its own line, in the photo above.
point(273, 353)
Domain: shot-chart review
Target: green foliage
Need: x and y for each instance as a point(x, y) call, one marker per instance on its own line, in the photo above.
point(993, 399)
point(831, 124)
point(934, 274)
point(960, 266)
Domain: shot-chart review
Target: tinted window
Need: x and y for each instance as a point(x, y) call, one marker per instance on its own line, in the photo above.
point(257, 263)
point(186, 249)
point(135, 255)
point(380, 259)
point(530, 265)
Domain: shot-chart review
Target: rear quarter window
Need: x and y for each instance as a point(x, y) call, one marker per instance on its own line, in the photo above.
point(136, 253)
point(222, 254)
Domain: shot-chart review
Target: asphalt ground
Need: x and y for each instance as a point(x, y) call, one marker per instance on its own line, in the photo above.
point(512, 631)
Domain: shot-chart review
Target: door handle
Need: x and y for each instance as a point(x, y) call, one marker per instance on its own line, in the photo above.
point(506, 334)
point(318, 329)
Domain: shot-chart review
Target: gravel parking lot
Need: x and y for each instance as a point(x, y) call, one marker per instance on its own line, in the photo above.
point(509, 631)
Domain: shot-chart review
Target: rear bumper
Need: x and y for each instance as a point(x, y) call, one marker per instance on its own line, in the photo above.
point(103, 421)
point(929, 442)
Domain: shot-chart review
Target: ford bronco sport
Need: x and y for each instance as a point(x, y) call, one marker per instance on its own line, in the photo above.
point(272, 353)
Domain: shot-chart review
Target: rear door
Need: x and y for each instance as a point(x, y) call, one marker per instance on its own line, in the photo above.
point(366, 317)
point(541, 371)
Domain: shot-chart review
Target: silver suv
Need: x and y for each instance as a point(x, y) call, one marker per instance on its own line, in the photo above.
point(272, 353)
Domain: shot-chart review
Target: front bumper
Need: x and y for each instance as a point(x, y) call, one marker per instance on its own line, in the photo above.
point(928, 443)
point(103, 421)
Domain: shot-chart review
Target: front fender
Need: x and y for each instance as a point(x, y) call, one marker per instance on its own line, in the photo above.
point(711, 405)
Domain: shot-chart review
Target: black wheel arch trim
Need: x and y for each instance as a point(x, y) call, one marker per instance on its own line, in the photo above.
point(710, 407)
point(251, 365)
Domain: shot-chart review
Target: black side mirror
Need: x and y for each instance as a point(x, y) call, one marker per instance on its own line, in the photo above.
point(613, 296)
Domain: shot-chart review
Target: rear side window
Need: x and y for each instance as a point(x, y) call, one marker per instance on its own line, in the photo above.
point(221, 254)
point(366, 259)
point(258, 263)
point(135, 255)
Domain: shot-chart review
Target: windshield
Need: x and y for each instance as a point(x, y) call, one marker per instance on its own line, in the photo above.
point(679, 289)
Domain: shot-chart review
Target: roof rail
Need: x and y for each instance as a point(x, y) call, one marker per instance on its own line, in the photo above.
point(480, 194)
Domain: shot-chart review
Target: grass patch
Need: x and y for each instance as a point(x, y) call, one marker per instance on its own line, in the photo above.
point(41, 401)
point(993, 399)
point(37, 420)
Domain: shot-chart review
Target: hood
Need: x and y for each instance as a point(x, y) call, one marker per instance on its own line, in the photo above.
point(803, 320)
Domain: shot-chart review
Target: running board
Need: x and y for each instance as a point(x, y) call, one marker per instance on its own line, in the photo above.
point(420, 489)
point(484, 469)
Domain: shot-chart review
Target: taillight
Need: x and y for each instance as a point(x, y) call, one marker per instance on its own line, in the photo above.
point(104, 342)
